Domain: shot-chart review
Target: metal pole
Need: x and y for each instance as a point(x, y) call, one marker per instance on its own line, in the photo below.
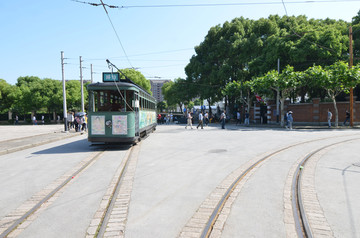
point(64, 92)
point(82, 88)
point(278, 96)
point(91, 73)
point(351, 89)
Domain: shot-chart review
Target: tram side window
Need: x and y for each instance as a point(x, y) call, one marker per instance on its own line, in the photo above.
point(129, 100)
point(109, 100)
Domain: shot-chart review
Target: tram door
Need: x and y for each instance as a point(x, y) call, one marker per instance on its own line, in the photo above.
point(137, 119)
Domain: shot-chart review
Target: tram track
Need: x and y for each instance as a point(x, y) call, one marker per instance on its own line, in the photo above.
point(112, 214)
point(223, 196)
point(16, 219)
point(302, 223)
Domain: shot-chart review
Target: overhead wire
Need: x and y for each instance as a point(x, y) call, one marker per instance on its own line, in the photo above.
point(214, 4)
point(117, 35)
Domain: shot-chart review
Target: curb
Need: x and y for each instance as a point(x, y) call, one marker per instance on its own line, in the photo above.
point(24, 147)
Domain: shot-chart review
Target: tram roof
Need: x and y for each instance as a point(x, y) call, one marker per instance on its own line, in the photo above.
point(112, 85)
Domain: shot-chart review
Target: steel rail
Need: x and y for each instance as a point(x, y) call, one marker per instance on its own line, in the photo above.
point(47, 197)
point(104, 220)
point(302, 224)
point(214, 215)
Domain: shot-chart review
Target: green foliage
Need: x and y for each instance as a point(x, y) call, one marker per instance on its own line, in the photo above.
point(244, 49)
point(6, 95)
point(177, 92)
point(138, 78)
point(161, 106)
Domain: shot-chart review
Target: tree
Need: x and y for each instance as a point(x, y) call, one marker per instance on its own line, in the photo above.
point(137, 77)
point(335, 79)
point(356, 19)
point(243, 49)
point(176, 93)
point(73, 95)
point(161, 106)
point(283, 84)
point(240, 91)
point(6, 96)
point(31, 96)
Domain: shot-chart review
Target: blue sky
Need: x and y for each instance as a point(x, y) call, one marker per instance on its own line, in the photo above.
point(157, 41)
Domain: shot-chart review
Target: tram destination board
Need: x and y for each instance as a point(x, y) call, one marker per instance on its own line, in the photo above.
point(111, 77)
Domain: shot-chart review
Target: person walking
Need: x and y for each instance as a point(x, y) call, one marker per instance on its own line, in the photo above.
point(329, 117)
point(247, 115)
point(16, 120)
point(238, 118)
point(347, 119)
point(286, 119)
point(201, 118)
point(223, 119)
point(206, 118)
point(290, 119)
point(189, 120)
point(34, 120)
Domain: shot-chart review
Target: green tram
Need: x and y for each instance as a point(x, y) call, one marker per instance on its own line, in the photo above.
point(119, 112)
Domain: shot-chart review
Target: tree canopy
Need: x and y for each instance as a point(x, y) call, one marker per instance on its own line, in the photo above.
point(243, 49)
point(137, 77)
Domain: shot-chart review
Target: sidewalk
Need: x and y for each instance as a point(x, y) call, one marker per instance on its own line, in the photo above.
point(15, 138)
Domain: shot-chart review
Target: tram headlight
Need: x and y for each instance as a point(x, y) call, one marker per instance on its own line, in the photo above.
point(108, 123)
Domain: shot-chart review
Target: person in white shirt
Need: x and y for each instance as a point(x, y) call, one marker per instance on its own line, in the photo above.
point(189, 120)
point(238, 118)
point(201, 118)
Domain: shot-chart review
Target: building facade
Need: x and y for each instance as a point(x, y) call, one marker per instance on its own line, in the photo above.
point(156, 86)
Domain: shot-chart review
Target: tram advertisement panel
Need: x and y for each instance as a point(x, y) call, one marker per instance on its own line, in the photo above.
point(98, 125)
point(147, 118)
point(119, 124)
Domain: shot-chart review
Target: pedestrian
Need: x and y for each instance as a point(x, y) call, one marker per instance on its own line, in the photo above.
point(238, 118)
point(286, 119)
point(347, 117)
point(34, 120)
point(16, 120)
point(223, 119)
point(329, 116)
point(201, 118)
point(290, 119)
point(206, 118)
point(247, 116)
point(189, 120)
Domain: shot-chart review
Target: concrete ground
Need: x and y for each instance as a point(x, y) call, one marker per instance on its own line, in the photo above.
point(179, 168)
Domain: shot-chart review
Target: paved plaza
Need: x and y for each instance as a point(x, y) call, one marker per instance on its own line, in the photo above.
point(178, 170)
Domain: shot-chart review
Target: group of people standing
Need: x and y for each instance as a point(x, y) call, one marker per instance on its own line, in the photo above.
point(79, 123)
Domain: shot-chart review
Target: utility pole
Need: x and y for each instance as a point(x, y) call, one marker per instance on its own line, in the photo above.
point(350, 66)
point(91, 70)
point(278, 96)
point(64, 92)
point(82, 88)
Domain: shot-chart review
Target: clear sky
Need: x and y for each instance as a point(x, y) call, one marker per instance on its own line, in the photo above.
point(157, 41)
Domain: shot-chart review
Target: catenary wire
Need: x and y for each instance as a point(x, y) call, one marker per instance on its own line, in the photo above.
point(214, 4)
point(117, 35)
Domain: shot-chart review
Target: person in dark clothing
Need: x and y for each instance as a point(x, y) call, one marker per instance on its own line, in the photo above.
point(347, 119)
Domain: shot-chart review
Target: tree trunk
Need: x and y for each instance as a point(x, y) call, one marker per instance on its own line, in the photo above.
point(277, 107)
point(282, 100)
point(336, 111)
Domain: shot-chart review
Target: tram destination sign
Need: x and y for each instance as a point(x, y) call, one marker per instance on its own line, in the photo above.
point(111, 77)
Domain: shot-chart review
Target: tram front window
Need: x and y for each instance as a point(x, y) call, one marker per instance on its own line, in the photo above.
point(108, 101)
